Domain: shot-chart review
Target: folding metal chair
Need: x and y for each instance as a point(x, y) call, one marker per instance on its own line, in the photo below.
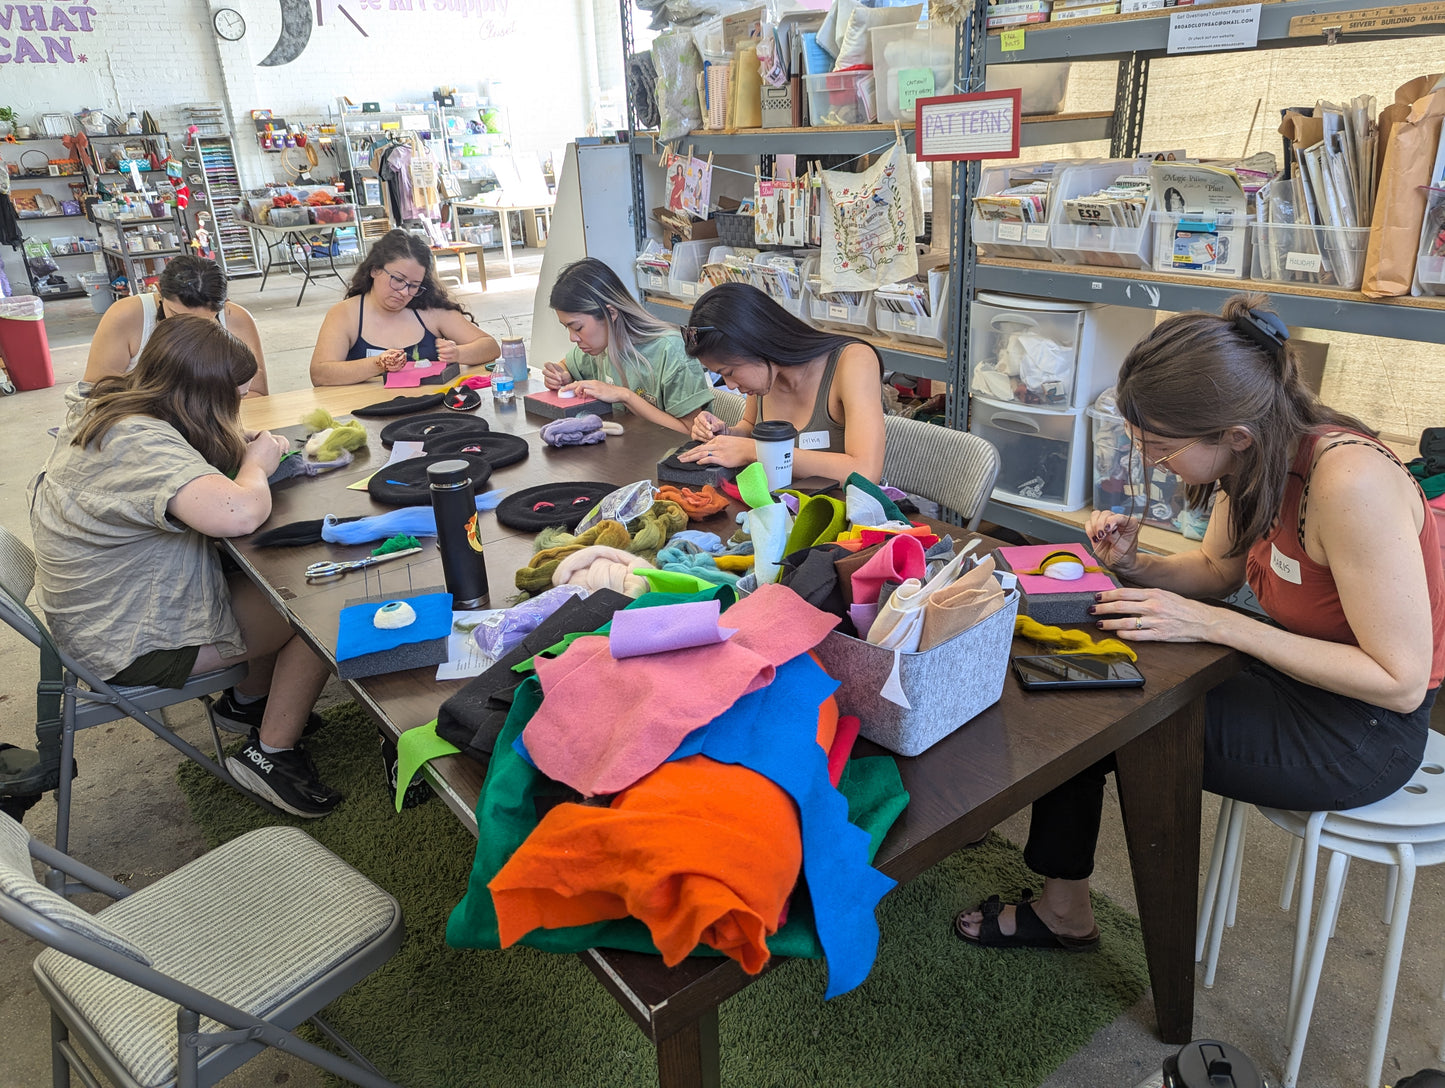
point(187, 979)
point(64, 706)
point(952, 468)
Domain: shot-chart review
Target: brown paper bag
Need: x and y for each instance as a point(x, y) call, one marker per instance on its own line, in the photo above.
point(1406, 95)
point(1400, 205)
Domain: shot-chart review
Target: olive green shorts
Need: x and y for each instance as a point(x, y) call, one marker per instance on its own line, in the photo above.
point(159, 668)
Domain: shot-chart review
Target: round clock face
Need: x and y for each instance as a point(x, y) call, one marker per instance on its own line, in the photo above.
point(229, 24)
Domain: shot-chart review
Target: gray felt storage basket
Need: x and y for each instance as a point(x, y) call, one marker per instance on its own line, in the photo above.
point(946, 685)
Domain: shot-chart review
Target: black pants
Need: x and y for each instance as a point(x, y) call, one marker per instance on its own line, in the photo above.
point(1268, 740)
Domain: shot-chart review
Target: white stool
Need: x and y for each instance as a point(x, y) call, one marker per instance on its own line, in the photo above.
point(1404, 831)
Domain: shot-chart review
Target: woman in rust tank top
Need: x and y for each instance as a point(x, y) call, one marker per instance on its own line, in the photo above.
point(1331, 533)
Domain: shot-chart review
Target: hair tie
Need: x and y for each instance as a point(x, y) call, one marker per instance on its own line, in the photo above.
point(1264, 328)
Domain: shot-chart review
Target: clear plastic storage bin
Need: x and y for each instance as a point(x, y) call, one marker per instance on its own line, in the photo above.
point(1057, 356)
point(1098, 244)
point(650, 281)
point(1043, 455)
point(687, 261)
point(1123, 484)
point(1430, 271)
point(1002, 238)
point(1294, 253)
point(914, 328)
point(1201, 245)
point(827, 312)
point(910, 47)
point(791, 295)
point(841, 98)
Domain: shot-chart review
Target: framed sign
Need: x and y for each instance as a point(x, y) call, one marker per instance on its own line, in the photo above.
point(954, 127)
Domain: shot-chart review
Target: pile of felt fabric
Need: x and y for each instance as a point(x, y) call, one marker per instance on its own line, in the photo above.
point(702, 799)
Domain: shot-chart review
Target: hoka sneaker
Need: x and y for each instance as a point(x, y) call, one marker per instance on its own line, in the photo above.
point(287, 779)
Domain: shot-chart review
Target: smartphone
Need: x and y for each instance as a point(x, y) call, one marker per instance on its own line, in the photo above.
point(813, 485)
point(1068, 672)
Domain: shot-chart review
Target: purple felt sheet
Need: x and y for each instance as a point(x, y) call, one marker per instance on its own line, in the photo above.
point(639, 631)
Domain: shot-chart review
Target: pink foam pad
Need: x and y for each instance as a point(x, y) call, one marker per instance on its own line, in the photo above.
point(1029, 556)
point(410, 376)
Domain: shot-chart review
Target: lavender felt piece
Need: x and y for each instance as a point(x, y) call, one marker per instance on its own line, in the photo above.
point(640, 631)
point(585, 430)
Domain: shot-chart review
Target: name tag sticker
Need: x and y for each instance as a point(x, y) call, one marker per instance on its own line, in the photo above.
point(813, 440)
point(1283, 565)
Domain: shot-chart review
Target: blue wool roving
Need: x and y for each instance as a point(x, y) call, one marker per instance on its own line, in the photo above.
point(413, 520)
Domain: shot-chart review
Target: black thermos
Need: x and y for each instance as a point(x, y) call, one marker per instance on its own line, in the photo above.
point(464, 567)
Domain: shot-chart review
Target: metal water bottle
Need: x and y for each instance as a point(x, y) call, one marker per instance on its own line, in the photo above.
point(464, 567)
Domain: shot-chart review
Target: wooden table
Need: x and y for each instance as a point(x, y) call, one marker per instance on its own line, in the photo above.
point(992, 768)
point(459, 250)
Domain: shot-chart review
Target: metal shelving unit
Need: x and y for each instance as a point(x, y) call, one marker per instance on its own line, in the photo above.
point(211, 168)
point(46, 182)
point(1134, 40)
point(139, 264)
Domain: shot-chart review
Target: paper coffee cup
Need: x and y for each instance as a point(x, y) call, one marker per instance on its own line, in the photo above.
point(774, 440)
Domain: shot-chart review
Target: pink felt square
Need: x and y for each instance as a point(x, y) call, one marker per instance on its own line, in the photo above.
point(410, 376)
point(1029, 556)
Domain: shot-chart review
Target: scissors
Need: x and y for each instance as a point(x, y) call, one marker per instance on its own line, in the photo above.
point(319, 572)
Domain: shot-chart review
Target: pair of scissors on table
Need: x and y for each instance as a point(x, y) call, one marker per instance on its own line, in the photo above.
point(319, 572)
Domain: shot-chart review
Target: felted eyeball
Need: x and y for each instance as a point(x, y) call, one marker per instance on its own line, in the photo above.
point(393, 615)
point(566, 394)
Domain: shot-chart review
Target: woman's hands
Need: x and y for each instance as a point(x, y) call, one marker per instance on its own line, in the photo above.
point(391, 359)
point(555, 375)
point(706, 425)
point(603, 391)
point(447, 351)
point(1114, 540)
point(729, 451)
point(265, 450)
point(1156, 615)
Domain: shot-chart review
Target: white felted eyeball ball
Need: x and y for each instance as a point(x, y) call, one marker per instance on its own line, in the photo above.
point(391, 616)
point(1064, 570)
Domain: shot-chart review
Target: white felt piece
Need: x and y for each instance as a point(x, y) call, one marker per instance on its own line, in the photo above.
point(316, 441)
point(566, 394)
point(608, 427)
point(1064, 570)
point(863, 508)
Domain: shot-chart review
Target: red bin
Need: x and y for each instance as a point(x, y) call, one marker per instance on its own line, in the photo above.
point(23, 342)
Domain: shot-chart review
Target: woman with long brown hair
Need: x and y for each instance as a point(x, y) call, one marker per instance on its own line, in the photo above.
point(1331, 533)
point(145, 472)
point(396, 311)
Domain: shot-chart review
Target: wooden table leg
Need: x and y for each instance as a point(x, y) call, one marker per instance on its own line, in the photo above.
point(690, 1059)
point(462, 268)
point(481, 269)
point(1160, 786)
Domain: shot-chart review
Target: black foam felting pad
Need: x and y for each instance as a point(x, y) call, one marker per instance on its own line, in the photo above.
point(435, 425)
point(411, 655)
point(535, 508)
point(691, 473)
point(399, 406)
point(405, 483)
point(498, 447)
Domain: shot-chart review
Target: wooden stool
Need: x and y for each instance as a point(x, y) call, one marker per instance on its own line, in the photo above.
point(460, 251)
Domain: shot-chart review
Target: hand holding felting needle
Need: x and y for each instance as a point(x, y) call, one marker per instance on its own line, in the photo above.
point(1114, 539)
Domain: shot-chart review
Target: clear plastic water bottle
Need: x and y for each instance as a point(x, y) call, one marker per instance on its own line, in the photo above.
point(503, 385)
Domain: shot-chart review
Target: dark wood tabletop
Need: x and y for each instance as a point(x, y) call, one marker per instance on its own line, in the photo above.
point(992, 767)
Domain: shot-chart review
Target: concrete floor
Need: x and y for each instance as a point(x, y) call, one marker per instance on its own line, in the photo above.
point(130, 819)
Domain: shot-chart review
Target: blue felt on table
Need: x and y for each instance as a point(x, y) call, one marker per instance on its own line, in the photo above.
point(357, 635)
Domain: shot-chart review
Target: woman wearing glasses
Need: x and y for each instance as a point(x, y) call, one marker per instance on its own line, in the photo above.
point(623, 355)
point(1331, 533)
point(395, 311)
point(826, 385)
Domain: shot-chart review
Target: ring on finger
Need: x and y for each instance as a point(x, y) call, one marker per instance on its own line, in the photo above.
point(1138, 623)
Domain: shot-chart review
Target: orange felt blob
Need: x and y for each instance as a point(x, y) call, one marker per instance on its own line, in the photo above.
point(698, 504)
point(700, 851)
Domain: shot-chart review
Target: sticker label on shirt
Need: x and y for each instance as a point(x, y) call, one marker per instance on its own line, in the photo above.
point(1283, 565)
point(813, 440)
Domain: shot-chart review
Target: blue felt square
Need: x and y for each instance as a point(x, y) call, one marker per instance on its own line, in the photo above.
point(357, 635)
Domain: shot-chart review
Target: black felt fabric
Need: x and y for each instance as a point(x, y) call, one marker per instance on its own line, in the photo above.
point(812, 574)
point(462, 399)
point(405, 483)
point(690, 473)
point(570, 503)
point(399, 406)
point(435, 425)
point(292, 535)
point(473, 717)
point(498, 447)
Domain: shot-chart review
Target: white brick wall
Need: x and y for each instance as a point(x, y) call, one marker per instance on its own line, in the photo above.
point(163, 54)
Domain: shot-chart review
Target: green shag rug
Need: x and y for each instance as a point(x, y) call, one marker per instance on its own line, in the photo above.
point(935, 1011)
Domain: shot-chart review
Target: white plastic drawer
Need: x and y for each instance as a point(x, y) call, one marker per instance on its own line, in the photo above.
point(1044, 461)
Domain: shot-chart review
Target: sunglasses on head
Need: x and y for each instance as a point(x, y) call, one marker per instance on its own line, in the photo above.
point(690, 334)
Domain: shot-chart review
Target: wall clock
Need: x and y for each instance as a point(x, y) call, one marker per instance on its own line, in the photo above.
point(229, 24)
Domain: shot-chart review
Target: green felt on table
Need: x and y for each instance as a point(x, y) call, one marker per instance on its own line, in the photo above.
point(399, 543)
point(753, 486)
point(415, 747)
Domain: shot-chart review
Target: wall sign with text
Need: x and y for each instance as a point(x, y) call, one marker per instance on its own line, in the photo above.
point(955, 127)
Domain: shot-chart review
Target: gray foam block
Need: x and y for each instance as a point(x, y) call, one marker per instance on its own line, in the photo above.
point(1055, 609)
point(412, 655)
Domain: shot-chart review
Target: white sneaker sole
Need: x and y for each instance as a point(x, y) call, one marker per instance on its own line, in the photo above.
point(252, 782)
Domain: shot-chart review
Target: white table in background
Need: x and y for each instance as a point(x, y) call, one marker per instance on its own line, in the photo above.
point(529, 228)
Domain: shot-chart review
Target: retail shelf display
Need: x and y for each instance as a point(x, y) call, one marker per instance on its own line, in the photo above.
point(40, 167)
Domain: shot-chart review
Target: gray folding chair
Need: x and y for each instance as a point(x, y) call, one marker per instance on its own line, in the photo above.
point(63, 706)
point(727, 405)
point(185, 980)
point(952, 468)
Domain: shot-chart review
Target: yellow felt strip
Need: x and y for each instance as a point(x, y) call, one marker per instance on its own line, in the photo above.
point(1070, 642)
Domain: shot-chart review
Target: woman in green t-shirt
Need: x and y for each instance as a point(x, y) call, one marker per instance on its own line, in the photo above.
point(622, 354)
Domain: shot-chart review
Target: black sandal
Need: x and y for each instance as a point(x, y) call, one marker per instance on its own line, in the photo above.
point(1029, 931)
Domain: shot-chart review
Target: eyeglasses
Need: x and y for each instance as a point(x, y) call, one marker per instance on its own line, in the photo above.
point(690, 332)
point(1161, 462)
point(401, 283)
